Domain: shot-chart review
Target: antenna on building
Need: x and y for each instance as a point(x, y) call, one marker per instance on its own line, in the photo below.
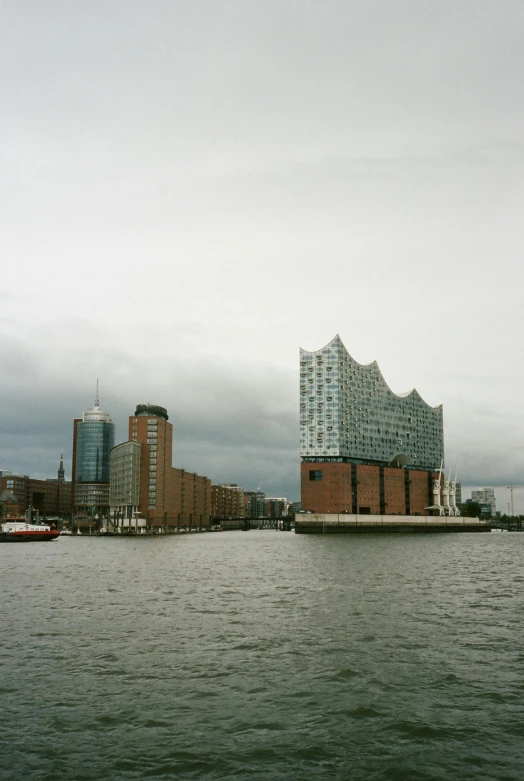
point(97, 397)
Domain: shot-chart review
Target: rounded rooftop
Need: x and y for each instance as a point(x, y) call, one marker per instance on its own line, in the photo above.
point(151, 409)
point(97, 413)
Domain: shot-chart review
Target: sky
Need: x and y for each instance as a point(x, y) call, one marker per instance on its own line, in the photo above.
point(192, 191)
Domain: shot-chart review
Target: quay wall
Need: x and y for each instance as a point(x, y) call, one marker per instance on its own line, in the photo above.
point(331, 523)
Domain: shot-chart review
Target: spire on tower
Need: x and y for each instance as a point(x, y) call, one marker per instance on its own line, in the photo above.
point(61, 471)
point(97, 397)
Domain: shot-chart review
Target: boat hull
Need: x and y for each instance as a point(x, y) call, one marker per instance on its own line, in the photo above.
point(29, 536)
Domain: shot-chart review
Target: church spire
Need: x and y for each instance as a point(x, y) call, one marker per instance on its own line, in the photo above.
point(61, 471)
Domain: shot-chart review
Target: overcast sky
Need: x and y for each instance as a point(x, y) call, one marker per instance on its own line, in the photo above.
point(190, 191)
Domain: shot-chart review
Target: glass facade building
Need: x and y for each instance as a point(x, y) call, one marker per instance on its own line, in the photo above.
point(124, 493)
point(348, 412)
point(94, 439)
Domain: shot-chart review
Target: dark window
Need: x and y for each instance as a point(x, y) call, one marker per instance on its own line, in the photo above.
point(315, 474)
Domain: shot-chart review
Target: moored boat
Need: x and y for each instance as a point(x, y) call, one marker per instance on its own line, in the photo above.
point(21, 530)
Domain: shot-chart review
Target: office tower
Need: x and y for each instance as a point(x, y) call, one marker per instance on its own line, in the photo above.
point(142, 475)
point(124, 487)
point(93, 439)
point(149, 427)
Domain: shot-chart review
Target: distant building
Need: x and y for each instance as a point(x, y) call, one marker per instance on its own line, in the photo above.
point(255, 504)
point(227, 501)
point(485, 496)
point(47, 497)
point(93, 439)
point(9, 507)
point(364, 449)
point(276, 507)
point(143, 480)
point(484, 507)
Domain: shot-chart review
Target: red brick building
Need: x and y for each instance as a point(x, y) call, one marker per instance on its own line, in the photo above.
point(364, 448)
point(167, 497)
point(227, 501)
point(48, 497)
point(340, 487)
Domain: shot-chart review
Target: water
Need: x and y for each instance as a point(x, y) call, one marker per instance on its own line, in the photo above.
point(263, 655)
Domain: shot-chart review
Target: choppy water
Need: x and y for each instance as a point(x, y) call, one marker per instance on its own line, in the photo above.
point(263, 655)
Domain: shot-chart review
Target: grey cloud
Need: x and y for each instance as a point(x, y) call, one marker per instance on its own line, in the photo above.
point(229, 423)
point(192, 190)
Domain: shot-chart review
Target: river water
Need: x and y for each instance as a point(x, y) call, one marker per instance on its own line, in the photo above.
point(263, 655)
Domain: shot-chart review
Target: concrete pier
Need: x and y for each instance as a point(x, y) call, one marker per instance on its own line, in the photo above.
point(324, 523)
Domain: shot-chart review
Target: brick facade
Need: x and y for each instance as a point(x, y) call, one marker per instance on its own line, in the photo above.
point(48, 497)
point(419, 496)
point(169, 497)
point(394, 491)
point(379, 490)
point(368, 489)
point(227, 501)
point(326, 487)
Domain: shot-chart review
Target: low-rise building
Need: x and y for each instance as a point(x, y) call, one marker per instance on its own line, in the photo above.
point(47, 497)
point(9, 507)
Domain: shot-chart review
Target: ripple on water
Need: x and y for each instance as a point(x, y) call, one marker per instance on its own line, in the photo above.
point(263, 656)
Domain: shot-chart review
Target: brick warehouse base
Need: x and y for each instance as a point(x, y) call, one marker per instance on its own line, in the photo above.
point(331, 523)
point(336, 487)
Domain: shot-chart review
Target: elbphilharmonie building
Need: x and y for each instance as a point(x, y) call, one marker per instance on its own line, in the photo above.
point(364, 449)
point(347, 410)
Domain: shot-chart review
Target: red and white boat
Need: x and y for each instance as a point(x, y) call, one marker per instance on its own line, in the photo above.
point(21, 530)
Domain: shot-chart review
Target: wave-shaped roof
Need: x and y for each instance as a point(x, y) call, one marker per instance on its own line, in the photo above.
point(337, 341)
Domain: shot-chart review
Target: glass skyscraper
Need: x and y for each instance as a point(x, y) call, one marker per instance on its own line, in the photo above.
point(94, 437)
